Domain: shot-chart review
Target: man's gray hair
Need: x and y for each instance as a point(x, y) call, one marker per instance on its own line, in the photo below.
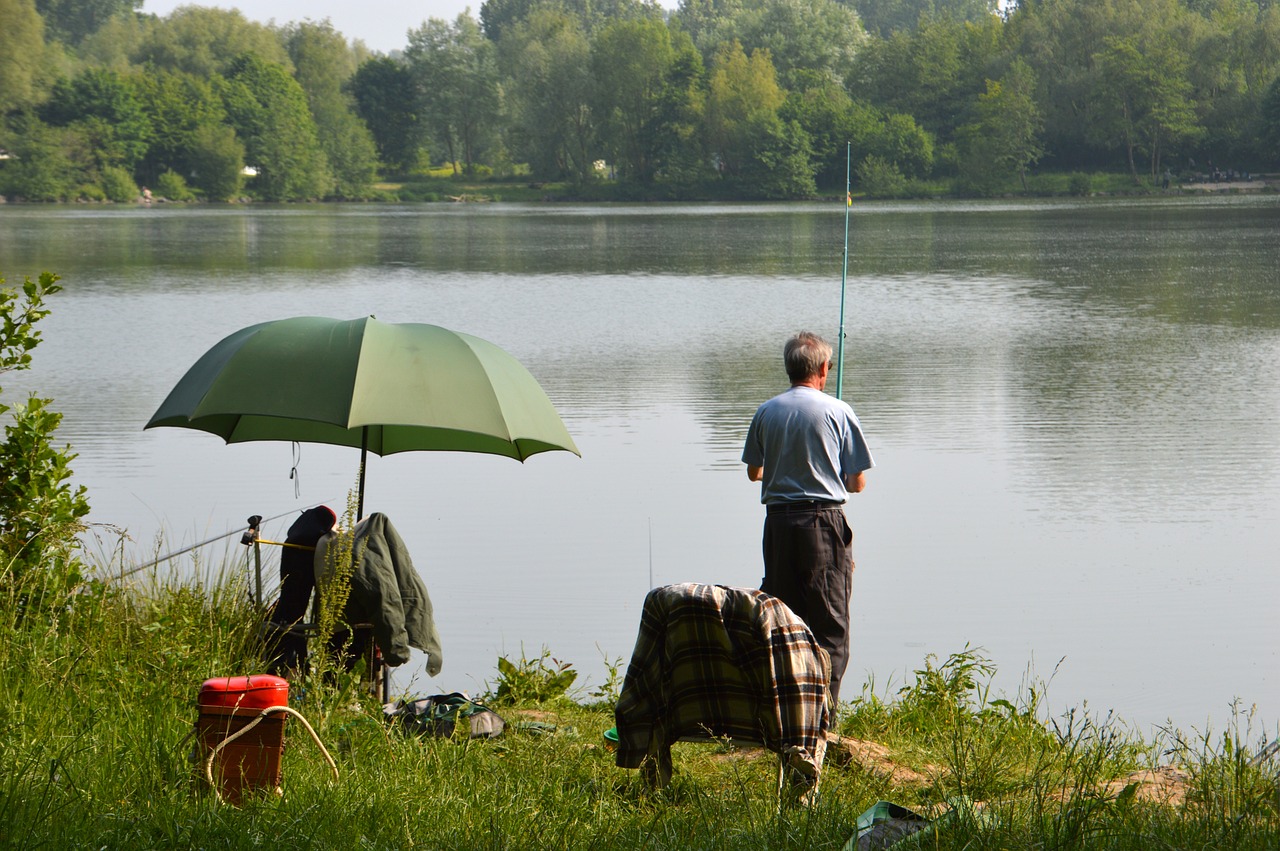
point(804, 355)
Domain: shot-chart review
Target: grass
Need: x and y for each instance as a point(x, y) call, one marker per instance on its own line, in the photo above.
point(97, 709)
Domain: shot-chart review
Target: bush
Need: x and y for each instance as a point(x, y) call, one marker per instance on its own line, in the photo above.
point(1079, 184)
point(172, 187)
point(90, 192)
point(880, 178)
point(40, 512)
point(118, 185)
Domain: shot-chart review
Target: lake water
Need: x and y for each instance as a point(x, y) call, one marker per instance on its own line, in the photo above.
point(1074, 408)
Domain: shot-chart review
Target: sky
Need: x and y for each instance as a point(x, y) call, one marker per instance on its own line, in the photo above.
point(381, 24)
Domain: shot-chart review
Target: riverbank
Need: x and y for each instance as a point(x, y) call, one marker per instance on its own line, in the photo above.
point(97, 693)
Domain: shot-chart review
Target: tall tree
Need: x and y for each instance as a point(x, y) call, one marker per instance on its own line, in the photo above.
point(385, 97)
point(268, 110)
point(106, 109)
point(800, 35)
point(753, 147)
point(323, 62)
point(205, 41)
point(743, 96)
point(928, 73)
point(70, 21)
point(546, 61)
point(885, 17)
point(630, 62)
point(457, 77)
point(1144, 99)
point(21, 54)
point(1004, 136)
point(190, 134)
point(1270, 123)
point(496, 16)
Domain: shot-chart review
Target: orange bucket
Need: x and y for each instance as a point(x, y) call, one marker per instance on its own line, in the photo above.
point(252, 762)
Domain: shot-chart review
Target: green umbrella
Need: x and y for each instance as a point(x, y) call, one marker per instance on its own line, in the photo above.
point(384, 387)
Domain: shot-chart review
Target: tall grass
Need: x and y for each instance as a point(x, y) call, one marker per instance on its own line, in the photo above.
point(97, 710)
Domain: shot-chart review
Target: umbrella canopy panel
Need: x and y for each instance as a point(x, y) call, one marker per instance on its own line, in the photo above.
point(412, 386)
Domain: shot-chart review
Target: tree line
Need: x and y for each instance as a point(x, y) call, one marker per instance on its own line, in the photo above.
point(718, 98)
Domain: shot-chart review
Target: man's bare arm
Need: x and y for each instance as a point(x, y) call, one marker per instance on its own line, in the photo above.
point(856, 482)
point(754, 473)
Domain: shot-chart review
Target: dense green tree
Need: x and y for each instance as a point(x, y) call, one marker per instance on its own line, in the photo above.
point(885, 17)
point(546, 62)
point(456, 72)
point(630, 62)
point(800, 35)
point(21, 54)
point(1004, 136)
point(498, 15)
point(70, 21)
point(1234, 55)
point(386, 99)
point(931, 73)
point(1270, 124)
point(105, 107)
point(216, 158)
point(205, 41)
point(187, 115)
point(43, 167)
point(118, 44)
point(753, 147)
point(678, 126)
point(268, 110)
point(1144, 100)
point(323, 62)
point(743, 98)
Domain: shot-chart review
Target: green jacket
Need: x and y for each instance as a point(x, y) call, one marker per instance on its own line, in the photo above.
point(387, 592)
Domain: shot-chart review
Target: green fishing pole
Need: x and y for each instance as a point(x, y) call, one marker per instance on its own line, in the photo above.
point(844, 272)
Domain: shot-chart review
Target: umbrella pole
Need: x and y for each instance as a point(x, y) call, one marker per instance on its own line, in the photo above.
point(380, 672)
point(364, 455)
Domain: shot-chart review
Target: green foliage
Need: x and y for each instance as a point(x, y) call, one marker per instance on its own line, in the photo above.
point(106, 109)
point(1079, 184)
point(547, 58)
point(21, 54)
point(1270, 120)
point(455, 70)
point(323, 63)
point(118, 185)
point(879, 178)
point(385, 99)
point(537, 681)
point(41, 168)
point(70, 21)
point(172, 187)
point(216, 158)
point(207, 42)
point(269, 112)
point(40, 512)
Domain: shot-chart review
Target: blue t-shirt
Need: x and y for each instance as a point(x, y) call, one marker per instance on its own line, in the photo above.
point(808, 443)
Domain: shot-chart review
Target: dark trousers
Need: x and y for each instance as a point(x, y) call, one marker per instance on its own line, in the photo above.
point(808, 564)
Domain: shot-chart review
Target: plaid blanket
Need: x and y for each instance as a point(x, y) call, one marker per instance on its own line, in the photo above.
point(714, 661)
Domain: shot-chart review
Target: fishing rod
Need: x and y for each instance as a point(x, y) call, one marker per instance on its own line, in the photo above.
point(844, 272)
point(205, 543)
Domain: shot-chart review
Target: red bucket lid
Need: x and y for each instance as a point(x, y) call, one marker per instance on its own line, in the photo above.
point(254, 692)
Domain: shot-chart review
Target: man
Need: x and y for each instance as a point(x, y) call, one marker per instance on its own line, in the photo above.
point(808, 451)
